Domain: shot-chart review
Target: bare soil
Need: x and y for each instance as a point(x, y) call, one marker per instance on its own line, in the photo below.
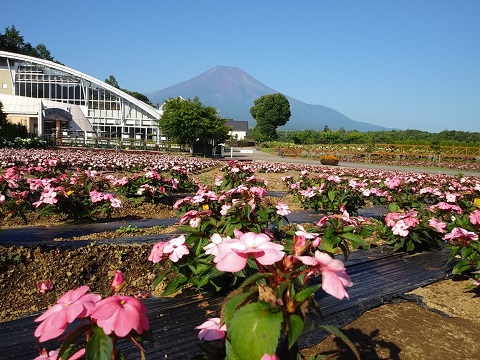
point(446, 326)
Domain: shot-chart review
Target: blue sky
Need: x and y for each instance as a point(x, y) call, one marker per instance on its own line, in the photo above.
point(411, 64)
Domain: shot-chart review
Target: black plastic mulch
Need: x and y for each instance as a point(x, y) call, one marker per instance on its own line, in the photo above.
point(379, 277)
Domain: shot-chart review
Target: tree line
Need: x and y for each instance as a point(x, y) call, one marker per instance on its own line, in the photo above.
point(12, 41)
point(413, 137)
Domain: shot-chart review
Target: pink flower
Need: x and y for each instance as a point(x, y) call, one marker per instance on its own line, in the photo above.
point(334, 275)
point(411, 221)
point(156, 255)
point(232, 255)
point(322, 221)
point(96, 196)
point(187, 216)
point(211, 330)
point(2, 199)
point(74, 304)
point(392, 218)
point(176, 248)
point(282, 209)
point(53, 355)
point(475, 217)
point(270, 357)
point(299, 244)
point(195, 222)
point(400, 228)
point(461, 235)
point(115, 203)
point(302, 232)
point(258, 191)
point(48, 196)
point(437, 225)
point(225, 209)
point(118, 282)
point(44, 285)
point(216, 240)
point(121, 314)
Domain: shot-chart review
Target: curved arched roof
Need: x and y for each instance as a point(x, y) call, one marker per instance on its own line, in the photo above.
point(152, 111)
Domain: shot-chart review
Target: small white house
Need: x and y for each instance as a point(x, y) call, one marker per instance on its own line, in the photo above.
point(239, 129)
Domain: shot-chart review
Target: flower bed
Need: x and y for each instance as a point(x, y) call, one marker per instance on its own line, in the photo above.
point(234, 240)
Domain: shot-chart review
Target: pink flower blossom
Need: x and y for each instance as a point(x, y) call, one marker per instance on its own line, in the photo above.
point(400, 228)
point(156, 255)
point(225, 209)
point(120, 315)
point(282, 209)
point(322, 221)
point(216, 240)
point(53, 355)
point(461, 235)
point(258, 191)
point(118, 282)
point(2, 199)
point(392, 183)
point(299, 244)
point(187, 216)
point(334, 275)
point(211, 330)
point(96, 196)
point(195, 222)
point(74, 304)
point(475, 217)
point(302, 232)
point(437, 225)
point(176, 248)
point(44, 285)
point(392, 218)
point(48, 196)
point(270, 357)
point(232, 255)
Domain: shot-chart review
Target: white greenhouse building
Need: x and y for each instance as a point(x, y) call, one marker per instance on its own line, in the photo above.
point(55, 101)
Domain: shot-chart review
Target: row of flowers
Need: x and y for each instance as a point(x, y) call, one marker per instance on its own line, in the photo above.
point(82, 194)
point(102, 160)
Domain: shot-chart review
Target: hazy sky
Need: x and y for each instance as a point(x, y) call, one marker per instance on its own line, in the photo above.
point(395, 63)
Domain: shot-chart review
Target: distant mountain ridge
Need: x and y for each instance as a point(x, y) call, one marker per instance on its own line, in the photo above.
point(232, 92)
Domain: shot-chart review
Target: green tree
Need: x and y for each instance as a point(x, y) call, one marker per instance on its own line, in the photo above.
point(189, 121)
point(112, 81)
point(139, 96)
point(269, 111)
point(42, 52)
point(12, 41)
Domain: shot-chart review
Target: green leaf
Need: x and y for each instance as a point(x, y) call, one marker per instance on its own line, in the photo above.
point(410, 245)
point(231, 305)
point(331, 195)
point(303, 295)
point(255, 330)
point(159, 279)
point(393, 207)
point(254, 278)
point(355, 239)
point(229, 350)
point(461, 266)
point(100, 346)
point(295, 328)
point(175, 285)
